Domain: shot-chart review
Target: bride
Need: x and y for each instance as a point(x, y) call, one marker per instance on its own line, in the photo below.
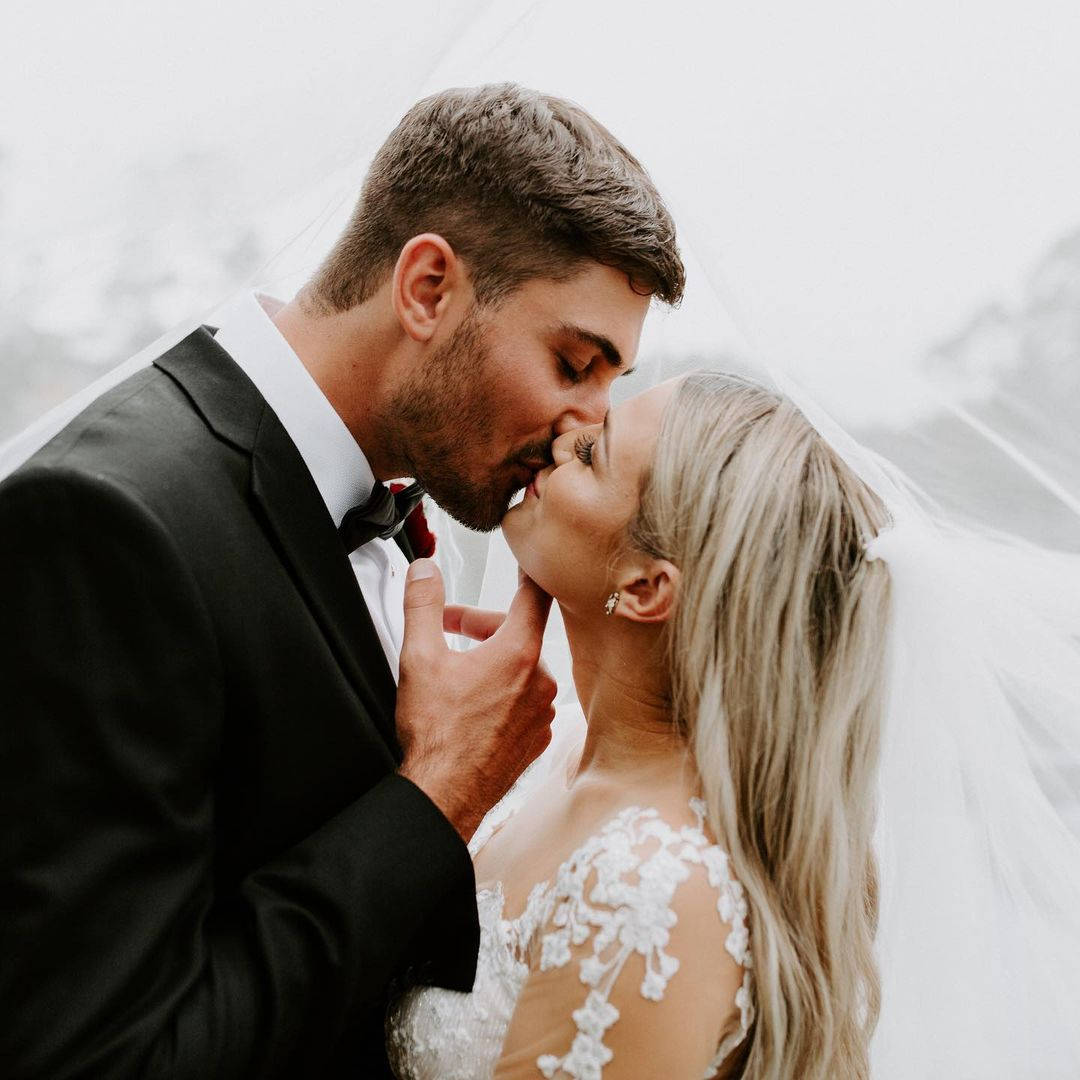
point(816, 827)
point(691, 890)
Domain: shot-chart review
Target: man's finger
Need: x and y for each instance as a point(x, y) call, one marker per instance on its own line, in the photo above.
point(472, 622)
point(424, 601)
point(528, 612)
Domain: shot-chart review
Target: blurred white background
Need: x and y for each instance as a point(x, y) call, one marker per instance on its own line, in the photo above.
point(882, 197)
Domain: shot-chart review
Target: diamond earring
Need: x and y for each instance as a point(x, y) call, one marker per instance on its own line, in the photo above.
point(609, 604)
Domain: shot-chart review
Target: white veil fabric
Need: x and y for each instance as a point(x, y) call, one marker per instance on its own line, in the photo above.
point(978, 838)
point(978, 834)
point(827, 168)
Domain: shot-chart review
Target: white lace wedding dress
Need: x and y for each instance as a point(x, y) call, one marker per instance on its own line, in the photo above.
point(615, 891)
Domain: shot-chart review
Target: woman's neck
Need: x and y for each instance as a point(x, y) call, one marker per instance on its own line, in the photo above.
point(622, 684)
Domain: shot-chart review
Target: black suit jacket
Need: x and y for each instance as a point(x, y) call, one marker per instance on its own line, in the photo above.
point(208, 864)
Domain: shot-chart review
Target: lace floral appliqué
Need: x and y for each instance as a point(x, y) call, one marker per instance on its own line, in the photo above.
point(437, 1034)
point(625, 917)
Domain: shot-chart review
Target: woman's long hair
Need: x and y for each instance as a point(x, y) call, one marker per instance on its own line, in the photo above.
point(777, 655)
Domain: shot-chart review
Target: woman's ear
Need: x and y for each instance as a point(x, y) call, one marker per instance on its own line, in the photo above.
point(648, 591)
point(426, 277)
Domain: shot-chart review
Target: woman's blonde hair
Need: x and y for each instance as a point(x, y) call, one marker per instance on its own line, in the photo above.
point(777, 663)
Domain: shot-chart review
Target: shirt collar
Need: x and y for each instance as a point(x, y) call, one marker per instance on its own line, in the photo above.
point(337, 464)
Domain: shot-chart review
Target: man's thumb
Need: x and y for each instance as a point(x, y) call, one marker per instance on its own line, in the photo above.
point(425, 599)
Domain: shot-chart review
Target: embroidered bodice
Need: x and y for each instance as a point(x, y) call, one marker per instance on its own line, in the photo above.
point(611, 899)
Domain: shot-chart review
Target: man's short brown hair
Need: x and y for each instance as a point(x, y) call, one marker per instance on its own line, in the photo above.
point(520, 184)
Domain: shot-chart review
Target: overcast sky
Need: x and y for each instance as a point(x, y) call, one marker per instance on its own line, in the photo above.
point(857, 177)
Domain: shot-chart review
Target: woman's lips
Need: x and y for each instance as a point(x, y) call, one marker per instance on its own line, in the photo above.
point(533, 487)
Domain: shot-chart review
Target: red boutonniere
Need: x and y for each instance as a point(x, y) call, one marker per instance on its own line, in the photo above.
point(421, 538)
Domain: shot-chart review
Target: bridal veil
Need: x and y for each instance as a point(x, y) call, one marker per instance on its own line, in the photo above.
point(832, 168)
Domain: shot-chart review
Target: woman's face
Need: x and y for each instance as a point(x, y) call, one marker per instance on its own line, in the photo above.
point(576, 511)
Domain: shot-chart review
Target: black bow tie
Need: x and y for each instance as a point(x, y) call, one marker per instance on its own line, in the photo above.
point(382, 515)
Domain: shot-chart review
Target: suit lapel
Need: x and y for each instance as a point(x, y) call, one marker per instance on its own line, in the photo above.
point(306, 535)
point(294, 514)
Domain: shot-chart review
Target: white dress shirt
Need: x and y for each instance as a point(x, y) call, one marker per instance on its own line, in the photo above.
point(337, 464)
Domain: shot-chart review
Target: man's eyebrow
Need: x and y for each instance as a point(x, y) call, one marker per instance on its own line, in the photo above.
point(597, 341)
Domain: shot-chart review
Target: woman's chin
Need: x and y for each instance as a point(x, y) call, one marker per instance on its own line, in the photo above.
point(511, 526)
point(513, 530)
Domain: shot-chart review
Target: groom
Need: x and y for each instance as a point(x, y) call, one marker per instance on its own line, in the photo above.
point(229, 821)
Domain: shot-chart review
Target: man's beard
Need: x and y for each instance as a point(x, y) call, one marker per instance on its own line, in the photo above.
point(441, 414)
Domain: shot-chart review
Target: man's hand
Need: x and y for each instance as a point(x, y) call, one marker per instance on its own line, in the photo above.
point(470, 723)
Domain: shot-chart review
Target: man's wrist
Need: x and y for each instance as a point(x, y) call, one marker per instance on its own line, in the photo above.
point(447, 801)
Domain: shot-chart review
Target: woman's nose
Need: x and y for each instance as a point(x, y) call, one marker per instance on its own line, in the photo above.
point(562, 449)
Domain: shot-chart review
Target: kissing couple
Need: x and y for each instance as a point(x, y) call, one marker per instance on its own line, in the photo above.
point(242, 773)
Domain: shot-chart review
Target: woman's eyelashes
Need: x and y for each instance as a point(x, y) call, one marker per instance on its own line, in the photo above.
point(583, 447)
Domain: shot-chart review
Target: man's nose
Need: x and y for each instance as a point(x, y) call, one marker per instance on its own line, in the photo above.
point(587, 409)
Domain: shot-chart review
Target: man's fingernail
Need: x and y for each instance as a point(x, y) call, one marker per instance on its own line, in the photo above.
point(420, 569)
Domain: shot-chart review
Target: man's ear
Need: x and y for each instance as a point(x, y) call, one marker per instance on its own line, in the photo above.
point(426, 277)
point(648, 591)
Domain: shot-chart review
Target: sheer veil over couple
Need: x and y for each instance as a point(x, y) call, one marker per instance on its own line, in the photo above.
point(255, 809)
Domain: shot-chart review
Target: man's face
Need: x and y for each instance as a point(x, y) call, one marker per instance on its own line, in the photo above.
point(477, 423)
